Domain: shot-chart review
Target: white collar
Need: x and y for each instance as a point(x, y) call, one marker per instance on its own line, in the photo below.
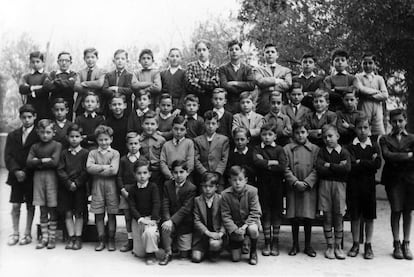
point(210, 139)
point(209, 201)
point(262, 145)
point(303, 75)
point(220, 112)
point(60, 71)
point(179, 185)
point(341, 73)
point(194, 116)
point(103, 151)
point(136, 156)
point(172, 70)
point(356, 141)
point(235, 66)
point(249, 114)
point(244, 152)
point(40, 71)
point(75, 150)
point(338, 149)
point(296, 106)
point(92, 114)
point(369, 74)
point(120, 71)
point(142, 186)
point(91, 69)
point(141, 112)
point(275, 64)
point(27, 130)
point(319, 115)
point(164, 117)
point(205, 64)
point(177, 142)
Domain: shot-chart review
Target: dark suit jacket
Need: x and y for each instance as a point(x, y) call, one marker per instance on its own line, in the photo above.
point(200, 217)
point(15, 154)
point(398, 166)
point(179, 209)
point(124, 85)
point(300, 115)
point(247, 83)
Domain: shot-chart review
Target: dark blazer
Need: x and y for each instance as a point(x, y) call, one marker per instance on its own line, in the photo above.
point(246, 80)
point(15, 154)
point(179, 209)
point(398, 166)
point(200, 217)
point(299, 116)
point(124, 85)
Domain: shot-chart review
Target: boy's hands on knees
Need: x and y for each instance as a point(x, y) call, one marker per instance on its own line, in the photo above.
point(272, 162)
point(167, 226)
point(342, 162)
point(327, 165)
point(45, 160)
point(260, 157)
point(124, 193)
point(72, 187)
point(214, 235)
point(20, 175)
point(410, 154)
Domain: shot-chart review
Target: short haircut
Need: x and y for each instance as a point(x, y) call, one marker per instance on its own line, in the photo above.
point(205, 42)
point(296, 85)
point(165, 96)
point(179, 119)
point(398, 112)
point(27, 108)
point(90, 50)
point(321, 93)
point(44, 123)
point(174, 49)
point(141, 163)
point(220, 90)
point(209, 115)
point(243, 130)
point(268, 127)
point(362, 117)
point(308, 56)
point(74, 128)
point(37, 55)
point(60, 100)
point(118, 95)
point(103, 129)
point(233, 42)
point(328, 127)
point(270, 44)
point(142, 93)
point(121, 51)
point(340, 53)
point(369, 54)
point(275, 93)
point(191, 98)
point(211, 177)
point(354, 92)
point(65, 53)
point(179, 163)
point(235, 170)
point(150, 115)
point(131, 135)
point(91, 93)
point(146, 52)
point(246, 95)
point(298, 125)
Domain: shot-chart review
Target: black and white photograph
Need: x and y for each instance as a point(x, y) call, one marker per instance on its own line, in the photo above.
point(206, 138)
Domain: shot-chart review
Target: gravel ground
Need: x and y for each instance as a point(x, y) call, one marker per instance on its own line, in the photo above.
point(27, 261)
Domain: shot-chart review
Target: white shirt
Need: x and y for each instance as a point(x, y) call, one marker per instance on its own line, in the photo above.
point(319, 115)
point(244, 152)
point(249, 115)
point(210, 139)
point(40, 71)
point(262, 145)
point(364, 145)
point(204, 65)
point(75, 150)
point(173, 69)
point(104, 151)
point(220, 112)
point(61, 124)
point(338, 149)
point(177, 142)
point(209, 201)
point(25, 133)
point(133, 157)
point(236, 67)
point(191, 116)
point(92, 114)
point(142, 186)
point(141, 112)
point(165, 116)
point(303, 75)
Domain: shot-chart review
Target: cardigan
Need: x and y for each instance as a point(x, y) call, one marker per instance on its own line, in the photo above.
point(171, 152)
point(175, 85)
point(72, 168)
point(336, 171)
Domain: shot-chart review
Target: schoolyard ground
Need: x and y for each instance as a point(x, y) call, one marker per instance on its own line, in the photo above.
point(27, 261)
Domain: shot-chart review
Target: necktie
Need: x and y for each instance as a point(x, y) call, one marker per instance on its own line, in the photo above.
point(118, 75)
point(273, 68)
point(295, 109)
point(24, 136)
point(89, 75)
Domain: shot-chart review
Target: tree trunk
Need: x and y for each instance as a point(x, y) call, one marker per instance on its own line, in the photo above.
point(410, 101)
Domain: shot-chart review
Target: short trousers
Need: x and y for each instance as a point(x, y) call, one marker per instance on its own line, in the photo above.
point(104, 197)
point(45, 188)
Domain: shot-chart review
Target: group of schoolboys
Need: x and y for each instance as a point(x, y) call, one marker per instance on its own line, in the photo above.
point(147, 143)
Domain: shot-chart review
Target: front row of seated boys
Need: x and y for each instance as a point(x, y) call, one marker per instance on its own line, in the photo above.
point(241, 192)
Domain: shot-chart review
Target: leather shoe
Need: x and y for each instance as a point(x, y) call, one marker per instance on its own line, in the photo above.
point(167, 258)
point(253, 258)
point(309, 251)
